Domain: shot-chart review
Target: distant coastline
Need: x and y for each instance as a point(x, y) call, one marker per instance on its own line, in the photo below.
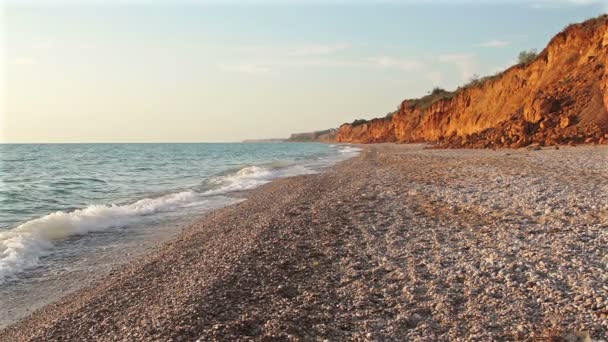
point(327, 135)
point(264, 140)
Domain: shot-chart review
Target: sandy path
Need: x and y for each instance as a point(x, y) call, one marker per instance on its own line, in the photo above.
point(399, 243)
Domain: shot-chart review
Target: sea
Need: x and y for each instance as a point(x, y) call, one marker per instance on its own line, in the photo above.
point(69, 213)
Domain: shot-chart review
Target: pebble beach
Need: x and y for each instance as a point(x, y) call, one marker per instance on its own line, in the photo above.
point(400, 243)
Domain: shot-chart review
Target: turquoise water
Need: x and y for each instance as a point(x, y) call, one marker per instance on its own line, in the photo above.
point(58, 202)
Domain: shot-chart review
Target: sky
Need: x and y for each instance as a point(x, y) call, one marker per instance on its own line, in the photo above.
point(221, 71)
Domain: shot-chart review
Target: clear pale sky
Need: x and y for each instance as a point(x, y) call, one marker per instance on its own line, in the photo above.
point(202, 71)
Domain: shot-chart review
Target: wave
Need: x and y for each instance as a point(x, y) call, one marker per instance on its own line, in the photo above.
point(76, 181)
point(251, 177)
point(349, 149)
point(247, 178)
point(22, 247)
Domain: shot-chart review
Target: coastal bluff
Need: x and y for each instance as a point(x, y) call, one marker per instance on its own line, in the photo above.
point(560, 97)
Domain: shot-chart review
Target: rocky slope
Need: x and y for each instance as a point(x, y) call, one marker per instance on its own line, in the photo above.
point(560, 97)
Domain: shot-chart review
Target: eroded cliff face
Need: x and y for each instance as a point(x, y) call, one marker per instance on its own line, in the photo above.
point(560, 97)
point(376, 130)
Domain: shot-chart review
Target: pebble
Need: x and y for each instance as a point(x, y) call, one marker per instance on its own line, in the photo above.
point(455, 253)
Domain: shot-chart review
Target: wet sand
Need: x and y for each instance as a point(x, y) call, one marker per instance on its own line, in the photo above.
point(399, 243)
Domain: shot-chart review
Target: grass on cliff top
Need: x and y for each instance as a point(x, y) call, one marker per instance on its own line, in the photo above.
point(437, 94)
point(525, 58)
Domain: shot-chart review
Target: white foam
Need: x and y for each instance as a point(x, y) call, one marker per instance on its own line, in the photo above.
point(249, 177)
point(295, 170)
point(22, 247)
point(349, 149)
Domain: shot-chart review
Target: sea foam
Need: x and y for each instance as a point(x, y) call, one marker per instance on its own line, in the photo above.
point(247, 178)
point(349, 149)
point(251, 177)
point(22, 247)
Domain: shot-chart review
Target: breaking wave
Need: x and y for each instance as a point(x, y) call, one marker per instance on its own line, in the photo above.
point(349, 149)
point(249, 177)
point(22, 247)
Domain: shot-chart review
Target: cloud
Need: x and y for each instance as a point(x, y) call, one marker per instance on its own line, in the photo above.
point(578, 2)
point(274, 65)
point(245, 68)
point(464, 62)
point(495, 43)
point(264, 59)
point(318, 49)
point(261, 60)
point(397, 63)
point(544, 4)
point(277, 64)
point(324, 63)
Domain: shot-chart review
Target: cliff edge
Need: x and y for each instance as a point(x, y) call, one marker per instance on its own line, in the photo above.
point(559, 97)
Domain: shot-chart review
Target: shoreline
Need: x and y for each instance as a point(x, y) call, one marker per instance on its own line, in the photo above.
point(399, 242)
point(145, 220)
point(45, 287)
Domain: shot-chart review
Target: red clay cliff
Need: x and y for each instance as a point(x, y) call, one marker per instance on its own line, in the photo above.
point(559, 97)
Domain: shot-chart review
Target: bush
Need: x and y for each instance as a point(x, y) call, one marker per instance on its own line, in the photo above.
point(437, 94)
point(525, 57)
point(473, 81)
point(358, 122)
point(438, 91)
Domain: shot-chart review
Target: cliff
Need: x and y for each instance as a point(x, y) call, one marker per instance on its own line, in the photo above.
point(327, 135)
point(559, 97)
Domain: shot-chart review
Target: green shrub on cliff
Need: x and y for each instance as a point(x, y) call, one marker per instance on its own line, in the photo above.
point(473, 81)
point(525, 57)
point(358, 122)
point(435, 95)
